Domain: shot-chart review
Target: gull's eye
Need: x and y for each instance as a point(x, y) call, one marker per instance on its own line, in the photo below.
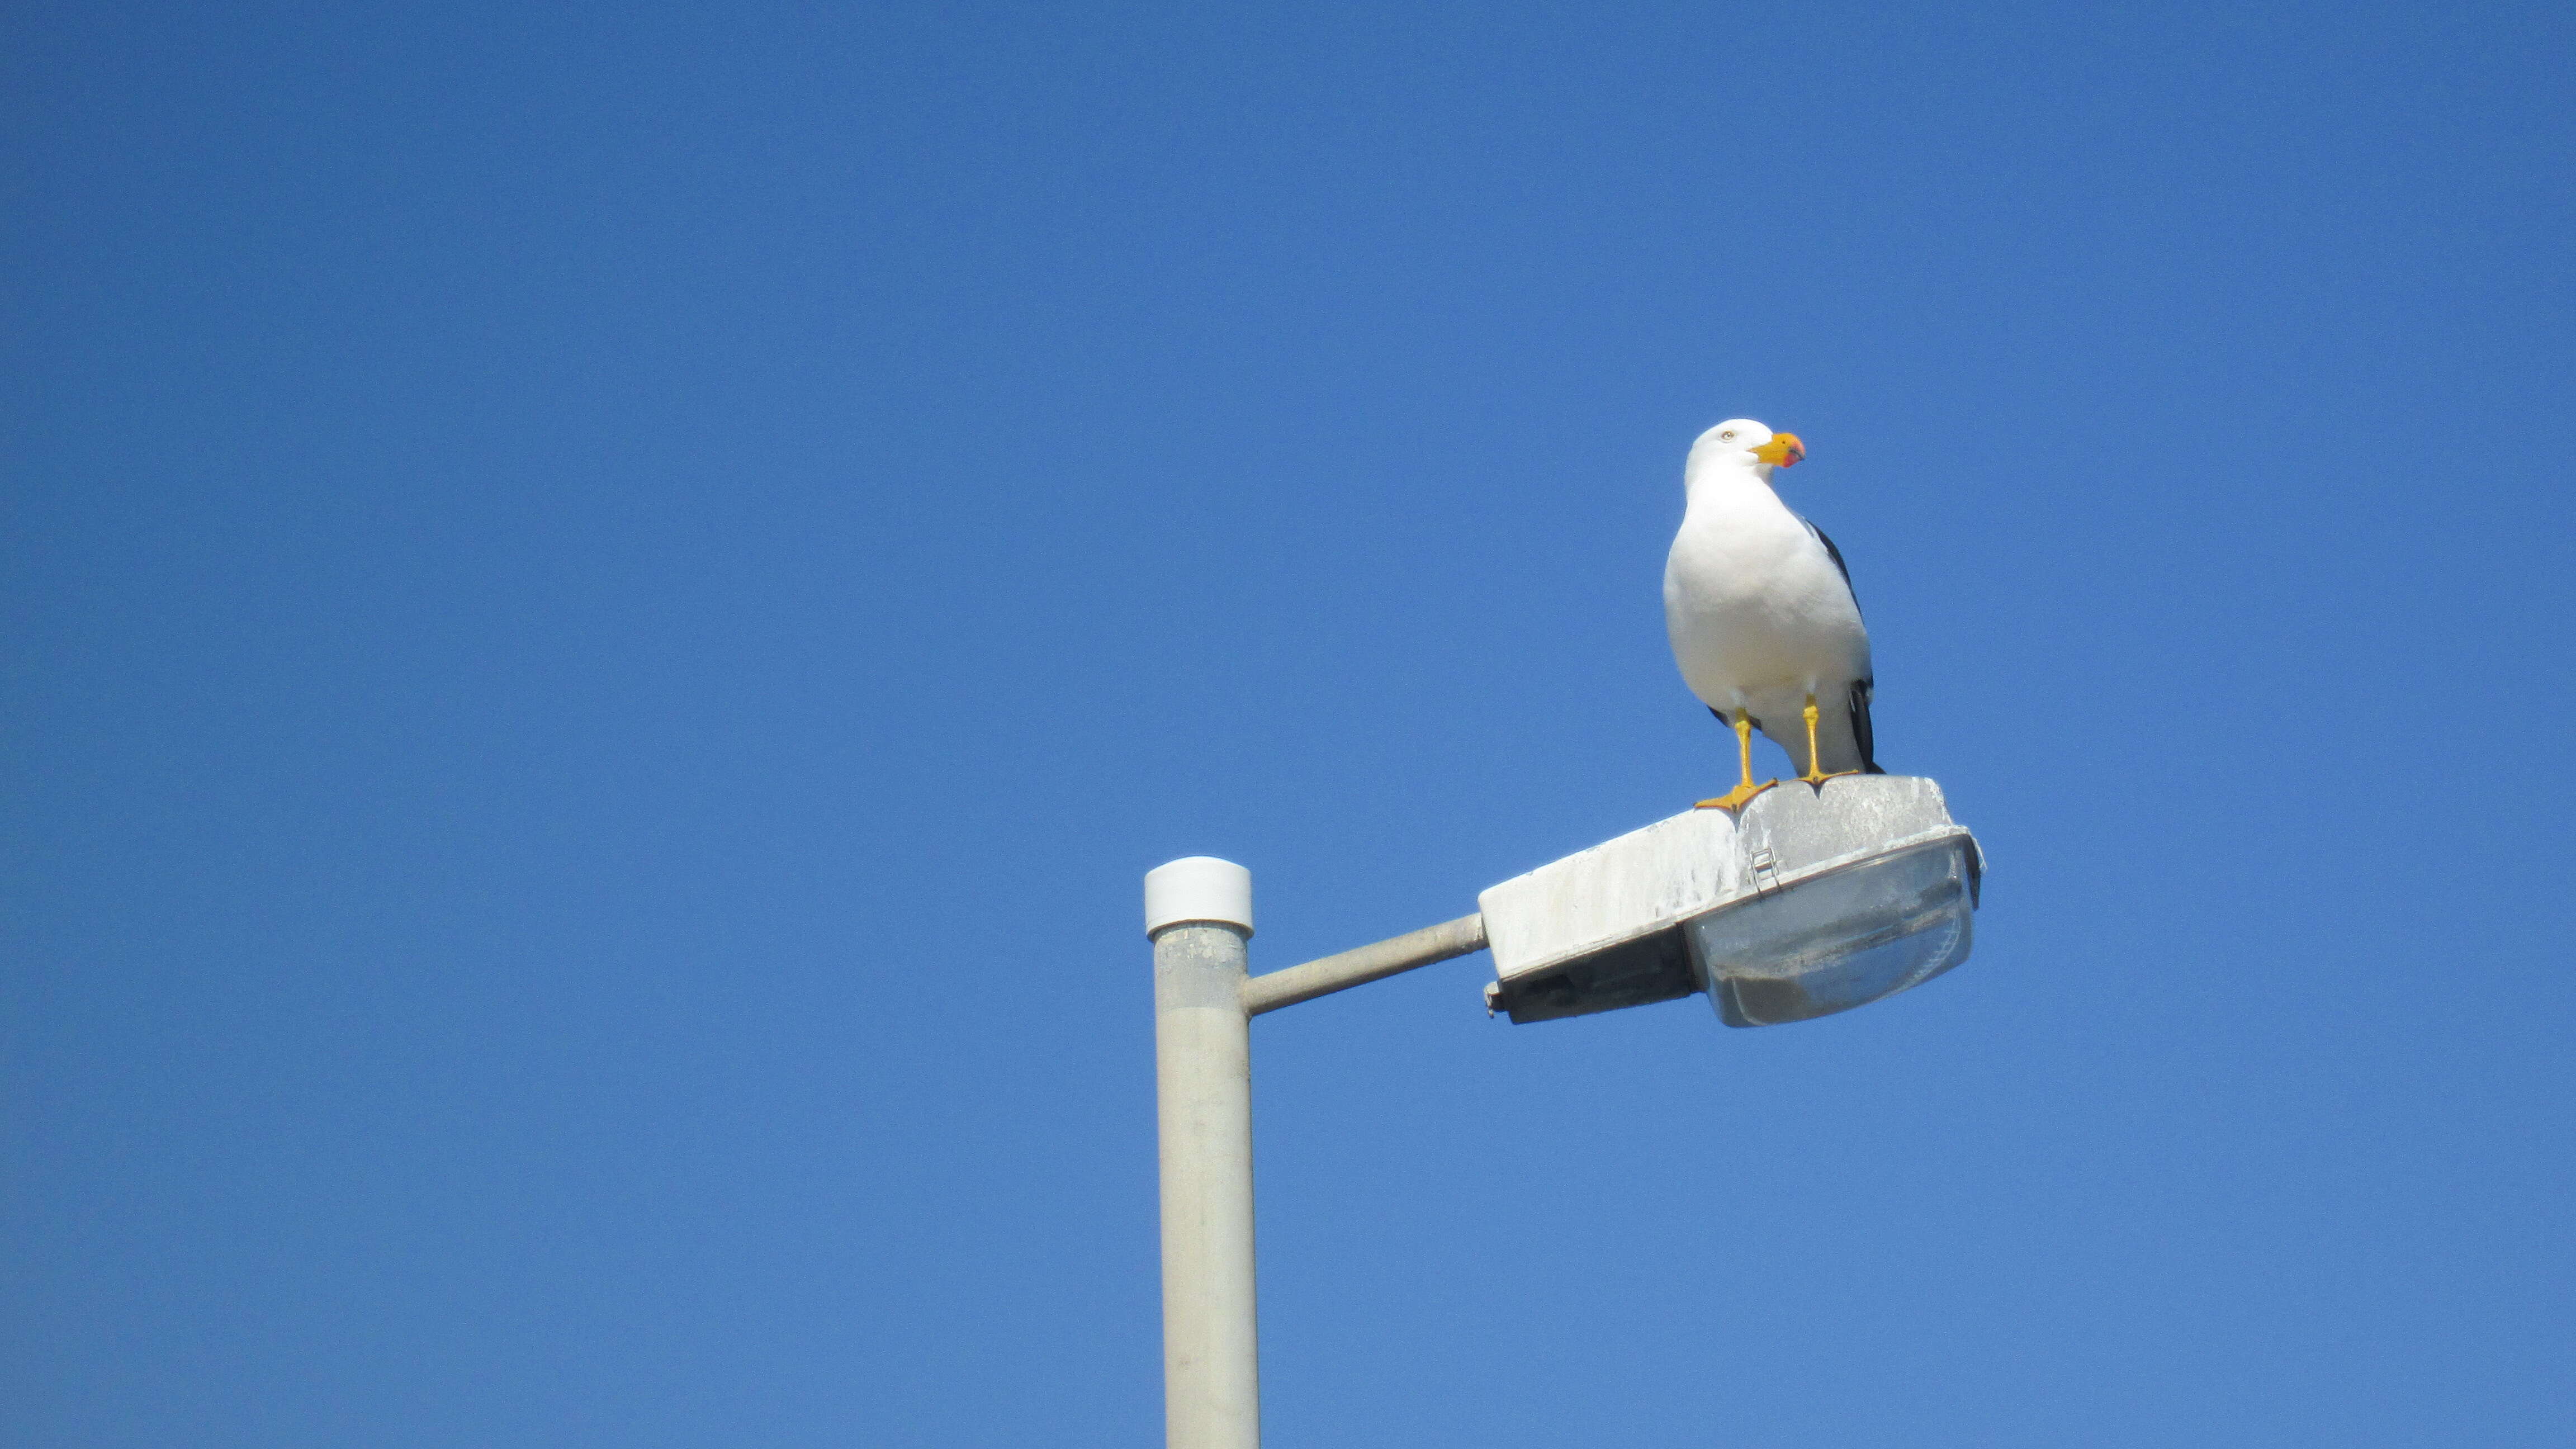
point(1722, 437)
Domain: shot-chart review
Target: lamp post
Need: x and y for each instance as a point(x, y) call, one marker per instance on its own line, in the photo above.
point(1805, 903)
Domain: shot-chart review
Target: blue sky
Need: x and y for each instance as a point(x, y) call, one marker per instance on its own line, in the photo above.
point(607, 604)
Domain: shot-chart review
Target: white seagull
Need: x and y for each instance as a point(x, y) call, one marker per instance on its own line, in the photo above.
point(1762, 616)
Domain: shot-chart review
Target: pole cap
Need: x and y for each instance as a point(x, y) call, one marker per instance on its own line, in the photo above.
point(1198, 888)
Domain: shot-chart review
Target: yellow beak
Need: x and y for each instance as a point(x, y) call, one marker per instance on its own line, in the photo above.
point(1783, 451)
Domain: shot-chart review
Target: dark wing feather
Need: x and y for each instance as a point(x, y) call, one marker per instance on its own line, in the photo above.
point(1863, 734)
point(1836, 555)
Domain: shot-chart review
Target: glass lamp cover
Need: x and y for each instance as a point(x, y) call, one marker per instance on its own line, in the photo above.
point(1839, 940)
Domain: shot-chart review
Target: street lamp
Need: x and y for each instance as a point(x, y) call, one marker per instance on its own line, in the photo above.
point(1807, 902)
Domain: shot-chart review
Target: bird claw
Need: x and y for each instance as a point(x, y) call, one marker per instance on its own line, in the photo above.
point(1737, 798)
point(1812, 777)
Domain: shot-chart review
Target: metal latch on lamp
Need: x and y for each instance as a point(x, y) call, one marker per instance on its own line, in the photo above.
point(1766, 872)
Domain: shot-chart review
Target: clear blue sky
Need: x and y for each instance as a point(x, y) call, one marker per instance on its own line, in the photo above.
point(605, 606)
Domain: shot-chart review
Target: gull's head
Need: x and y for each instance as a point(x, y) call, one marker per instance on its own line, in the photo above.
point(1744, 443)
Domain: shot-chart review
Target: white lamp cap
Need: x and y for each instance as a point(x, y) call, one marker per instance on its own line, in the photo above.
point(1198, 888)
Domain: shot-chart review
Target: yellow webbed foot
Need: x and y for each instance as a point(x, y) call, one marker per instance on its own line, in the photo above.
point(1737, 798)
point(1814, 778)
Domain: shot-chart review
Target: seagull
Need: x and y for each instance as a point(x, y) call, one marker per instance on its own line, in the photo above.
point(1762, 615)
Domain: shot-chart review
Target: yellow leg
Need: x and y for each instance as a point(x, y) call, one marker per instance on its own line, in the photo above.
point(1741, 795)
point(1815, 775)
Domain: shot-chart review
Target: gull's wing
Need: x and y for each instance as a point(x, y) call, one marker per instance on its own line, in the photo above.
point(1863, 734)
point(1833, 553)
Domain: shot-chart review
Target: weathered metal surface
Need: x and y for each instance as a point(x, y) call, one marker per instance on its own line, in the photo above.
point(1328, 974)
point(1602, 928)
point(1203, 1094)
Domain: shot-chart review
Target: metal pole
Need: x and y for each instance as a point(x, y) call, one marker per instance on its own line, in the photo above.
point(1391, 957)
point(1198, 912)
